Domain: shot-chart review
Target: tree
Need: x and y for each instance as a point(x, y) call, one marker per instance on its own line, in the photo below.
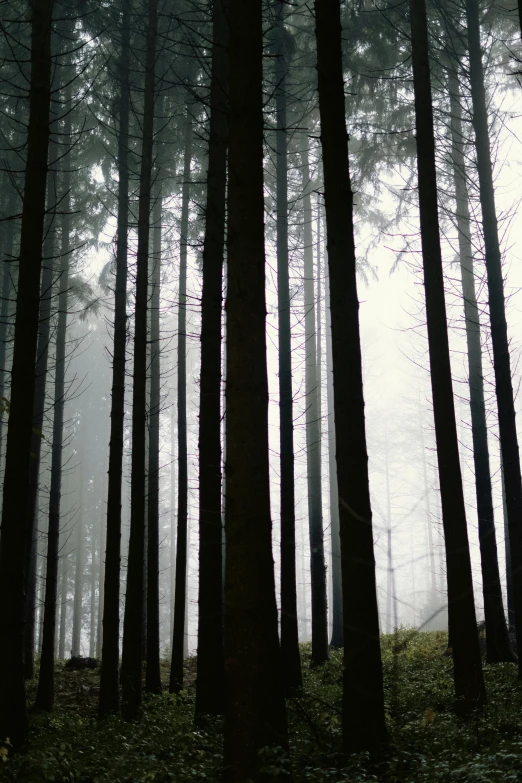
point(210, 674)
point(291, 660)
point(313, 433)
point(469, 683)
point(497, 315)
point(363, 698)
point(180, 600)
point(133, 617)
point(109, 684)
point(13, 719)
point(255, 715)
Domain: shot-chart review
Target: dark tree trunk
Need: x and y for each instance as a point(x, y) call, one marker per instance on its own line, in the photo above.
point(337, 585)
point(210, 675)
point(133, 617)
point(497, 638)
point(313, 435)
point(42, 355)
point(291, 660)
point(45, 692)
point(255, 716)
point(153, 673)
point(109, 680)
point(469, 683)
point(509, 571)
point(363, 698)
point(497, 313)
point(13, 717)
point(180, 598)
point(7, 291)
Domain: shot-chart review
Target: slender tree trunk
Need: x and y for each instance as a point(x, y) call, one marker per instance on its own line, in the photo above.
point(497, 638)
point(469, 683)
point(172, 517)
point(509, 571)
point(101, 572)
point(255, 716)
point(337, 586)
point(13, 717)
point(290, 656)
point(45, 692)
point(363, 698)
point(63, 607)
point(153, 673)
point(210, 675)
point(7, 288)
point(432, 573)
point(180, 598)
point(109, 681)
point(497, 312)
point(133, 617)
point(313, 436)
point(76, 640)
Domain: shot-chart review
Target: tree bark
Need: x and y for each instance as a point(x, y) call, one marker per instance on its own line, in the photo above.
point(469, 683)
point(313, 437)
point(497, 314)
point(255, 716)
point(290, 656)
point(336, 639)
point(210, 674)
point(45, 692)
point(13, 717)
point(133, 616)
point(153, 673)
point(109, 680)
point(180, 598)
point(363, 699)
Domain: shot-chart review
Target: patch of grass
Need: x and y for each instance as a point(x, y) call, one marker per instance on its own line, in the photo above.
point(428, 742)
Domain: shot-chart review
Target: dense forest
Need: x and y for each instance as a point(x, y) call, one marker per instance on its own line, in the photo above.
point(259, 372)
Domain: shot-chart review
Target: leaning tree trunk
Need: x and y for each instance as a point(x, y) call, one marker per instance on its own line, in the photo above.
point(363, 698)
point(255, 716)
point(133, 617)
point(497, 638)
point(337, 585)
point(469, 683)
point(13, 717)
point(180, 597)
point(45, 693)
point(109, 680)
point(313, 435)
point(153, 672)
point(290, 656)
point(497, 314)
point(210, 674)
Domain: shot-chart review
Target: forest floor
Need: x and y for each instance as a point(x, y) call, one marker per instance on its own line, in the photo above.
point(427, 741)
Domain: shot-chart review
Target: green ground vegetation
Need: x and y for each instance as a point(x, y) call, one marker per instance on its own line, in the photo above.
point(428, 742)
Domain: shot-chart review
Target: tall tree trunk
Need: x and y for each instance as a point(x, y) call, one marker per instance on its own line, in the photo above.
point(153, 673)
point(63, 605)
point(133, 616)
point(109, 681)
point(101, 572)
point(180, 598)
point(337, 586)
point(172, 517)
point(13, 717)
point(7, 269)
point(497, 313)
point(290, 655)
point(313, 436)
point(509, 571)
point(210, 675)
point(363, 698)
point(497, 638)
point(469, 683)
point(45, 692)
point(255, 716)
point(76, 640)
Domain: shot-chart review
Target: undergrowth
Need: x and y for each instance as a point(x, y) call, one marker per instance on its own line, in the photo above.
point(428, 742)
